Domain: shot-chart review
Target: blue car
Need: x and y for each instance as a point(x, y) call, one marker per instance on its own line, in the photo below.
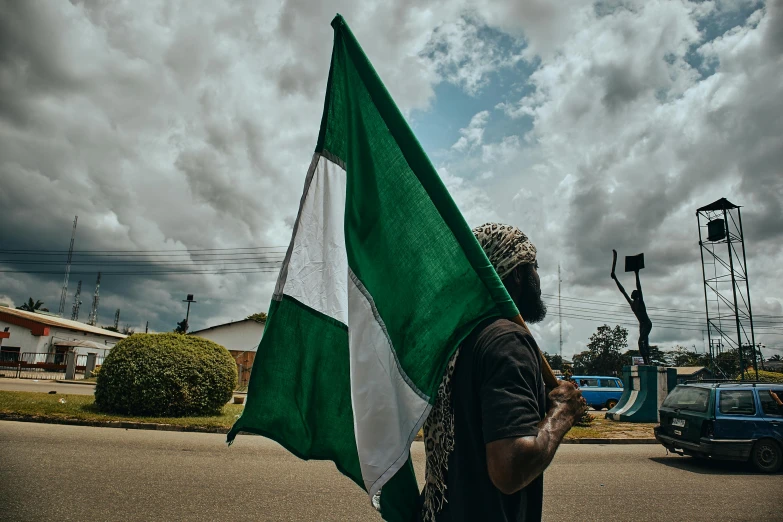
point(599, 391)
point(726, 421)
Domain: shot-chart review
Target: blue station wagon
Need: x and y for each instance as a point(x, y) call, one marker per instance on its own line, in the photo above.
point(600, 391)
point(727, 421)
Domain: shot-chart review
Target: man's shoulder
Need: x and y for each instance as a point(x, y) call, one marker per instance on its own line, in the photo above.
point(503, 332)
point(498, 327)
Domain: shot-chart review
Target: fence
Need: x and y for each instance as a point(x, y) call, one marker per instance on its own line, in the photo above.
point(243, 374)
point(42, 366)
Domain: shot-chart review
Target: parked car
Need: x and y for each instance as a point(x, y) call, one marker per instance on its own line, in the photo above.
point(726, 421)
point(599, 391)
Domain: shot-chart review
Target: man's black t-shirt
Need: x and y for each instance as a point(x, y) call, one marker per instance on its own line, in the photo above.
point(497, 393)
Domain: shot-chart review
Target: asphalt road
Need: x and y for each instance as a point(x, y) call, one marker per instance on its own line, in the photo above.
point(54, 472)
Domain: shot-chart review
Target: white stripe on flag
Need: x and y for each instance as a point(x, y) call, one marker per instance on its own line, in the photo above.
point(316, 268)
point(388, 410)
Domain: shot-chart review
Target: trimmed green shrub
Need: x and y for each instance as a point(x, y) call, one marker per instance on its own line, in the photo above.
point(165, 375)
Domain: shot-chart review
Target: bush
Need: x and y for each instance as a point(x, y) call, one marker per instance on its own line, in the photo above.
point(165, 375)
point(764, 376)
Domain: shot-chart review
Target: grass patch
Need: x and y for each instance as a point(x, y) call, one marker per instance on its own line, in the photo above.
point(82, 407)
point(603, 428)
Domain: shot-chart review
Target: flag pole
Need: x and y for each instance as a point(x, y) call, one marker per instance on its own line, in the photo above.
point(550, 381)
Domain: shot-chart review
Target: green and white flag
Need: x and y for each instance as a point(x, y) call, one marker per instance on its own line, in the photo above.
point(381, 282)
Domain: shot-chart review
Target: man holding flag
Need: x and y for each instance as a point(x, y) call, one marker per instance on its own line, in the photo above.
point(382, 282)
point(491, 432)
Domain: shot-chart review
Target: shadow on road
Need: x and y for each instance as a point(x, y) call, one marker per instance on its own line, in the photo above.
point(706, 466)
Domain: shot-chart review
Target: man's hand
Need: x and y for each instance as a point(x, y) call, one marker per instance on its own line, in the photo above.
point(568, 400)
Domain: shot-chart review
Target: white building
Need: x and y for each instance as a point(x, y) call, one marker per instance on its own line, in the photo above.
point(32, 332)
point(241, 339)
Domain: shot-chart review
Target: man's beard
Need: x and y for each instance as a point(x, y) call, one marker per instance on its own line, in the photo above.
point(532, 307)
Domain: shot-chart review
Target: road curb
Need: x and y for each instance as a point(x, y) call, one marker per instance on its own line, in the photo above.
point(216, 429)
point(114, 424)
point(610, 441)
point(63, 381)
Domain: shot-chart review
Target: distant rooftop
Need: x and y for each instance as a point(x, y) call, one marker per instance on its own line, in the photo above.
point(194, 332)
point(53, 320)
point(689, 370)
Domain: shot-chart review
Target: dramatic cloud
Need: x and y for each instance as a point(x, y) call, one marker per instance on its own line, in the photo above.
point(591, 126)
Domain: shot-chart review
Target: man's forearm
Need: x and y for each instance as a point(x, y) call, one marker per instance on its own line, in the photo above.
point(531, 455)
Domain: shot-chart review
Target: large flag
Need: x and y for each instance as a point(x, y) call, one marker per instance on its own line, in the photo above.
point(381, 282)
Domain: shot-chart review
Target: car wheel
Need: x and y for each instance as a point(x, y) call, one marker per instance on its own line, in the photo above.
point(767, 456)
point(611, 403)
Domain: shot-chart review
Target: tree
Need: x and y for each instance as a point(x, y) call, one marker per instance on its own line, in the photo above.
point(182, 327)
point(775, 357)
point(555, 361)
point(111, 329)
point(127, 330)
point(259, 317)
point(33, 306)
point(602, 356)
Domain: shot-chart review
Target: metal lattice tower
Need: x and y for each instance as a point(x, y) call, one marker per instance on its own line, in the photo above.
point(67, 269)
point(95, 299)
point(77, 302)
point(726, 288)
point(117, 319)
point(560, 310)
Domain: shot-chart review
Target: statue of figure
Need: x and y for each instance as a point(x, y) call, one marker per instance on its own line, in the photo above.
point(636, 300)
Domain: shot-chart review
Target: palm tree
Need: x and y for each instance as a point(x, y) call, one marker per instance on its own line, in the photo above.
point(33, 306)
point(775, 357)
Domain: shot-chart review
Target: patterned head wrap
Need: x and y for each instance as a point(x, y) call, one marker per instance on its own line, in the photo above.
point(506, 247)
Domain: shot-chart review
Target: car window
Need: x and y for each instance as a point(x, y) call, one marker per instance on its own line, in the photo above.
point(772, 401)
point(736, 402)
point(608, 383)
point(619, 383)
point(588, 383)
point(688, 398)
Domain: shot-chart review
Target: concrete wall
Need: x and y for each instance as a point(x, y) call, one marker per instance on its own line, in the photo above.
point(242, 336)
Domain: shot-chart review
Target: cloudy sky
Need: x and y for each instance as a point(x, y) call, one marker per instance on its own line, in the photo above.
point(180, 134)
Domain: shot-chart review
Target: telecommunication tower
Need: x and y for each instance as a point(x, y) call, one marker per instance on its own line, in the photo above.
point(560, 310)
point(117, 319)
point(95, 298)
point(67, 269)
point(77, 302)
point(726, 289)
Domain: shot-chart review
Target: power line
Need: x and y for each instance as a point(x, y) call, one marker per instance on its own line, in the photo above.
point(614, 304)
point(135, 251)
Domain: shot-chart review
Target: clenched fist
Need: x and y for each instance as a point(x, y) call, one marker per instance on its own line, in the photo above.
point(568, 399)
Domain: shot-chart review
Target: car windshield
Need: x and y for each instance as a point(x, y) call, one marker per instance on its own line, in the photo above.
point(688, 398)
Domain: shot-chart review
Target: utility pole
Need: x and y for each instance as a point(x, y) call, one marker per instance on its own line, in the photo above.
point(117, 319)
point(67, 269)
point(187, 315)
point(77, 302)
point(95, 299)
point(560, 310)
